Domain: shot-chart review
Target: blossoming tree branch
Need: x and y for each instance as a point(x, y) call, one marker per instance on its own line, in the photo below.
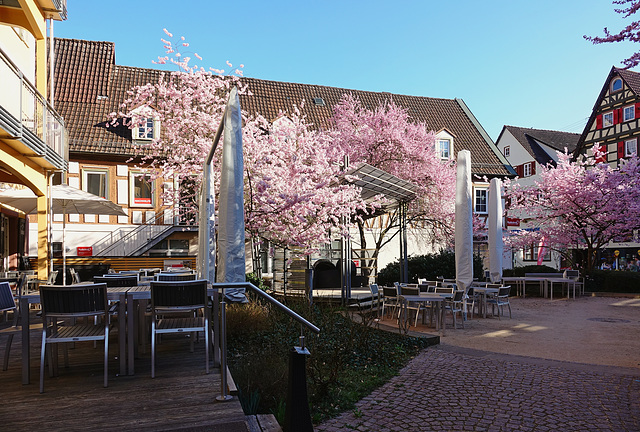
point(292, 193)
point(581, 204)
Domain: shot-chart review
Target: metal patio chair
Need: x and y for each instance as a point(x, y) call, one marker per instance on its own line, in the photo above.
point(168, 301)
point(72, 303)
point(8, 328)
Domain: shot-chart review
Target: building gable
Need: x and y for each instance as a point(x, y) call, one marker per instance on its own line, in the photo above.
point(541, 144)
point(615, 117)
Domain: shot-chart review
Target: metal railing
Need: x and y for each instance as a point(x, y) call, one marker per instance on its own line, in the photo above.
point(125, 242)
point(222, 348)
point(27, 115)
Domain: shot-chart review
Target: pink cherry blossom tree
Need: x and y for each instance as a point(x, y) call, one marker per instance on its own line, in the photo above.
point(385, 138)
point(630, 33)
point(579, 204)
point(292, 193)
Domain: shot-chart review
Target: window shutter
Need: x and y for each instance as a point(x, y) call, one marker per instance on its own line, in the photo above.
point(621, 150)
point(616, 116)
point(533, 168)
point(603, 158)
point(520, 170)
point(637, 110)
point(599, 122)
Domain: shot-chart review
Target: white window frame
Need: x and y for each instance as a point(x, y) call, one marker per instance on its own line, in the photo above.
point(147, 125)
point(607, 119)
point(613, 83)
point(444, 152)
point(137, 201)
point(476, 205)
point(507, 151)
point(625, 117)
point(630, 147)
point(526, 169)
point(96, 170)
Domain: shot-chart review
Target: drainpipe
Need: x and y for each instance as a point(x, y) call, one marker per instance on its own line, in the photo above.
point(51, 50)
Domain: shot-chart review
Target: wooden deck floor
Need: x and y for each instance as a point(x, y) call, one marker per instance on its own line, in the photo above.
point(181, 397)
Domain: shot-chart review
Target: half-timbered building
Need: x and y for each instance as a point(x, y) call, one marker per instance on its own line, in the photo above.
point(614, 123)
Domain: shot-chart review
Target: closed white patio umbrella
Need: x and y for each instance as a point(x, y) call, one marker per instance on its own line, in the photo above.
point(496, 245)
point(231, 251)
point(464, 222)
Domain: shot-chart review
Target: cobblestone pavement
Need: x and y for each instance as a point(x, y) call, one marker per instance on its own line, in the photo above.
point(445, 389)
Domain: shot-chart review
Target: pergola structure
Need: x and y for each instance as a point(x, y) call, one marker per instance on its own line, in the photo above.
point(376, 182)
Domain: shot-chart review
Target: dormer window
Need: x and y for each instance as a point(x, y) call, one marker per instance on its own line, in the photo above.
point(146, 126)
point(146, 130)
point(616, 85)
point(444, 145)
point(444, 149)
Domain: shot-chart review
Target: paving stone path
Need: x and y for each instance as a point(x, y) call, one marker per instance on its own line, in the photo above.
point(452, 390)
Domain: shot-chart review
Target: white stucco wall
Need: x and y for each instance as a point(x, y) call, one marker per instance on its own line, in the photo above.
point(519, 155)
point(20, 46)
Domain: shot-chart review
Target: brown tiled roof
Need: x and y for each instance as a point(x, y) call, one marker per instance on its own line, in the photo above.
point(529, 139)
point(269, 97)
point(82, 69)
point(93, 86)
point(631, 78)
point(89, 86)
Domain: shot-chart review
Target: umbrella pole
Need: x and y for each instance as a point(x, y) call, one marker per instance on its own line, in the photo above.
point(64, 245)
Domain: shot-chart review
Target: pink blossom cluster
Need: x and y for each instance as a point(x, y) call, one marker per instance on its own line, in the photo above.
point(578, 204)
point(386, 138)
point(294, 192)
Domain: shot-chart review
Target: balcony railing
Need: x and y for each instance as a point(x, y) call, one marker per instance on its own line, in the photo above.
point(26, 116)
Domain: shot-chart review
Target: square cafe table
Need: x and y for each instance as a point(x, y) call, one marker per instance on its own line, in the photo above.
point(436, 299)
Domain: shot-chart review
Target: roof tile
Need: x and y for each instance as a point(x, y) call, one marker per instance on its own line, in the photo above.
point(89, 86)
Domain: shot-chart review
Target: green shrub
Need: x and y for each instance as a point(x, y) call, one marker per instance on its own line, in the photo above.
point(613, 281)
point(520, 271)
point(429, 267)
point(348, 359)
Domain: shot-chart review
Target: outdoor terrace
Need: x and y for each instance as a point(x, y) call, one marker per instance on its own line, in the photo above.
point(181, 397)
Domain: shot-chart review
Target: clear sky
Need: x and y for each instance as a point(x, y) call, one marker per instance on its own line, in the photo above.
point(514, 62)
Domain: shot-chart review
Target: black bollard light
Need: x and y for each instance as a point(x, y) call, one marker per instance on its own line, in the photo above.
point(297, 417)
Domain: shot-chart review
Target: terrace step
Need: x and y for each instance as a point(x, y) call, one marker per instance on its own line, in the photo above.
point(263, 423)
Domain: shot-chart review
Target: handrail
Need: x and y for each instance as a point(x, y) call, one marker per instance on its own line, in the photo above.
point(221, 342)
point(270, 299)
point(128, 240)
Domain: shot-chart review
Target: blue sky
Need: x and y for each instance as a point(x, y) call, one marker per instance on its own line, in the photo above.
point(521, 63)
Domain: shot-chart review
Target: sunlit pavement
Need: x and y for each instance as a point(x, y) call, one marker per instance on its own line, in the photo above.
point(444, 390)
point(457, 388)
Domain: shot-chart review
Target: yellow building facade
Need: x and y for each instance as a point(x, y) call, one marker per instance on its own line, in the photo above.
point(33, 144)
